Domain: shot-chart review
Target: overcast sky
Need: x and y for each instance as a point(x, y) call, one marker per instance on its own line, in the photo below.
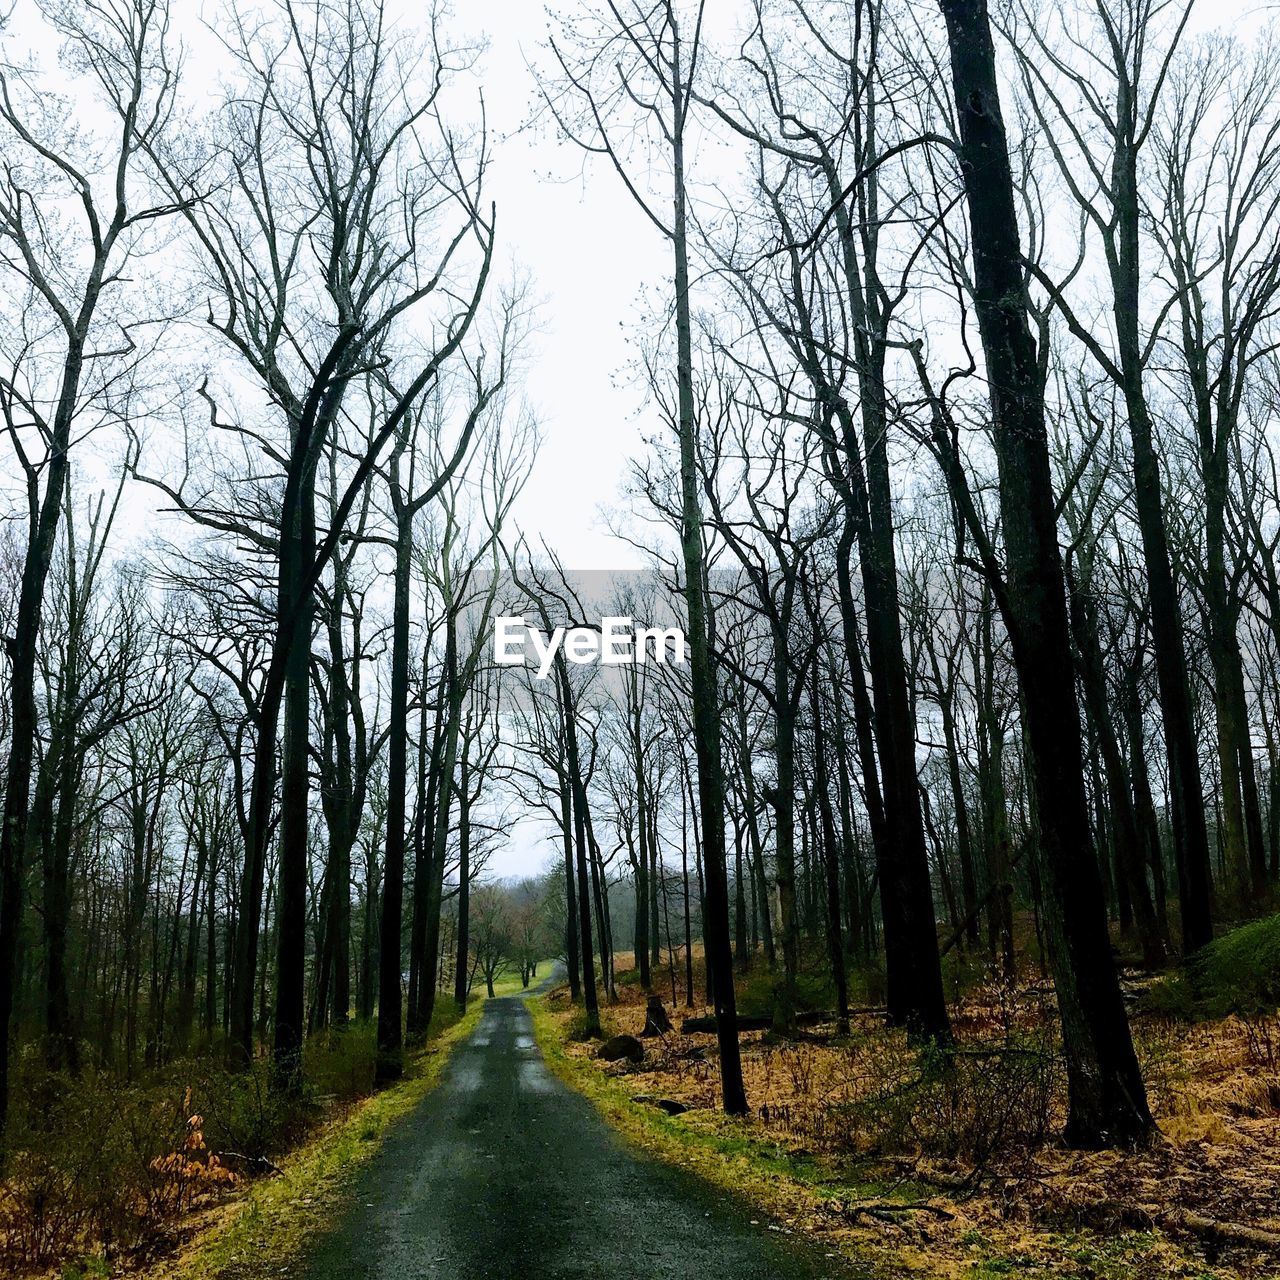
point(589, 253)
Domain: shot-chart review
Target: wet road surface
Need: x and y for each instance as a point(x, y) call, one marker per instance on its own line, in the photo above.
point(504, 1173)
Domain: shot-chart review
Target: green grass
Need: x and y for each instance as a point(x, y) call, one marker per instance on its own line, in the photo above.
point(1242, 968)
point(719, 1148)
point(275, 1217)
point(507, 983)
point(1239, 972)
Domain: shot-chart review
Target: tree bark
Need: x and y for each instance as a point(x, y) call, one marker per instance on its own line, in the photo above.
point(390, 1054)
point(1106, 1099)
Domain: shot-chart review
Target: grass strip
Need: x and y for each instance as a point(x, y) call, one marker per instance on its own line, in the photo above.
point(719, 1148)
point(276, 1216)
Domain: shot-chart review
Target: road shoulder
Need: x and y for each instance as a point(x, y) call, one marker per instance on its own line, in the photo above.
point(882, 1230)
point(278, 1217)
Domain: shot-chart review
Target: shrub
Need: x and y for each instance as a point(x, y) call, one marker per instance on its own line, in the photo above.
point(1171, 999)
point(94, 1163)
point(976, 1103)
point(187, 1173)
point(988, 1103)
point(244, 1115)
point(964, 971)
point(340, 1063)
point(1237, 973)
point(1262, 1038)
point(757, 993)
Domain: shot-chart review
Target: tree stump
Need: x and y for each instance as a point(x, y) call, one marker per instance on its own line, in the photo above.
point(656, 1021)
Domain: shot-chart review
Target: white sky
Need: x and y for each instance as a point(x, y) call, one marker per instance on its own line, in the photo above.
point(589, 253)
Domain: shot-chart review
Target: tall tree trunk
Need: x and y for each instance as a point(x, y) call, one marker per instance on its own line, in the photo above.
point(185, 1018)
point(291, 915)
point(1119, 791)
point(44, 516)
point(784, 841)
point(343, 818)
point(740, 954)
point(390, 1054)
point(751, 815)
point(706, 702)
point(684, 881)
point(1190, 837)
point(1106, 1099)
point(599, 897)
point(863, 716)
point(642, 845)
point(830, 858)
point(463, 943)
point(63, 1049)
point(424, 828)
point(994, 803)
point(446, 792)
point(964, 834)
point(577, 795)
point(913, 970)
point(571, 944)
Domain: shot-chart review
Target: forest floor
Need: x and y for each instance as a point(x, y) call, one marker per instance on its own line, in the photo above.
point(957, 1174)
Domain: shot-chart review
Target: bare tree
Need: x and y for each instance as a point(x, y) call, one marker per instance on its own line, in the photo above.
point(73, 217)
point(1096, 138)
point(318, 263)
point(644, 58)
point(1107, 1101)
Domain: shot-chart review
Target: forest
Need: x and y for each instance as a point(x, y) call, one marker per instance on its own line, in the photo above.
point(957, 470)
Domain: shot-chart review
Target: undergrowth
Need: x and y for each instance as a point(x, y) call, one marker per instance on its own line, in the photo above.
point(887, 1165)
point(100, 1170)
point(278, 1216)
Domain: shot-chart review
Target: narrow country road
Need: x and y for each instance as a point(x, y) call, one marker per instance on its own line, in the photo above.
point(503, 1173)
